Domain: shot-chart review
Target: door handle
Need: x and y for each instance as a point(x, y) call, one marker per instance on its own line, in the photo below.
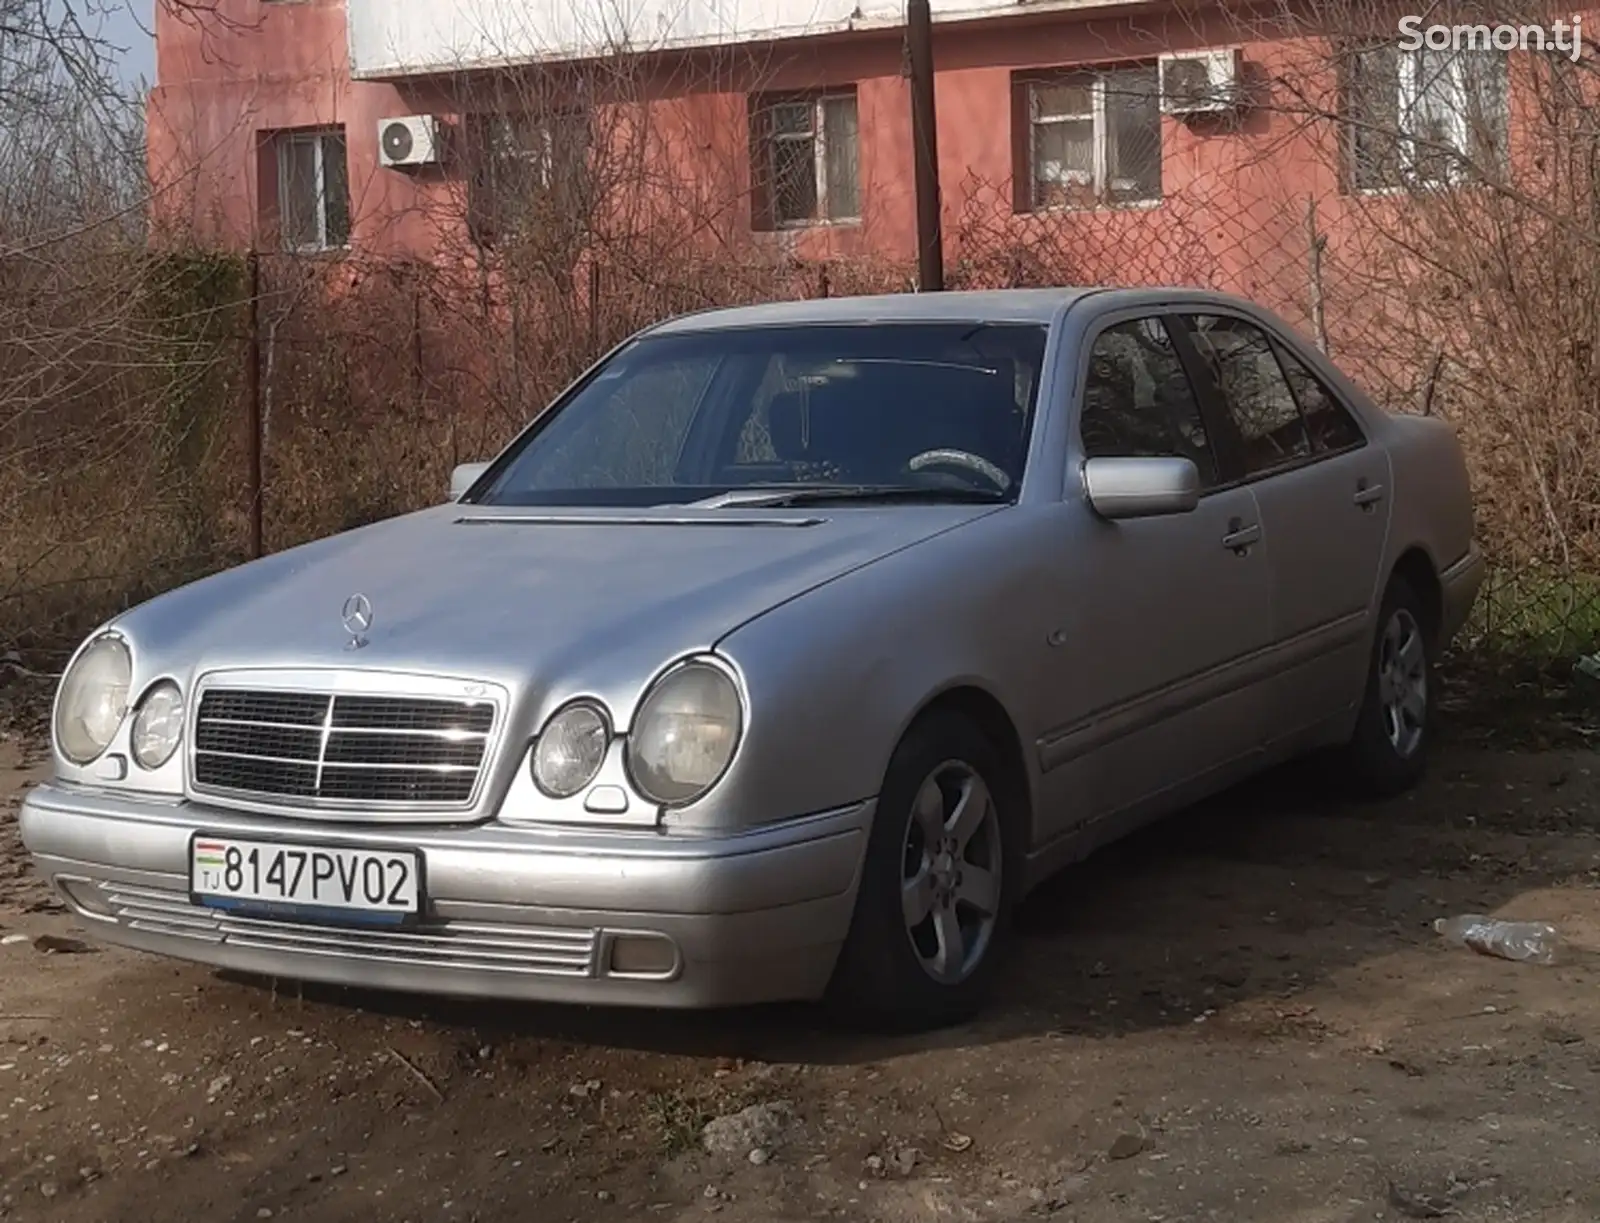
point(1240, 537)
point(1367, 495)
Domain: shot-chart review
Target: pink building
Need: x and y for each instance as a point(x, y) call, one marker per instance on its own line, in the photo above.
point(1062, 123)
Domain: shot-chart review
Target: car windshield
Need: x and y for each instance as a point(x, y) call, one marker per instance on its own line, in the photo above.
point(870, 412)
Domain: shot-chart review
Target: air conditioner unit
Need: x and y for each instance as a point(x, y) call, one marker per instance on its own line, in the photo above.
point(1200, 82)
point(410, 141)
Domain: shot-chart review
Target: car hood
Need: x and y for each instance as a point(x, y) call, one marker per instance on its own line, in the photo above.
point(500, 594)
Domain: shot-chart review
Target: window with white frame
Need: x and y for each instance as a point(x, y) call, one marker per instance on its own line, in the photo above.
point(1423, 118)
point(1093, 138)
point(313, 190)
point(804, 154)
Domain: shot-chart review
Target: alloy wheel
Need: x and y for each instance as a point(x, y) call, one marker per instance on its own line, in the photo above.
point(1403, 682)
point(950, 876)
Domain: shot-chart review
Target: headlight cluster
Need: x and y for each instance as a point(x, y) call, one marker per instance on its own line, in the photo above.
point(570, 750)
point(685, 734)
point(682, 740)
point(158, 726)
point(93, 702)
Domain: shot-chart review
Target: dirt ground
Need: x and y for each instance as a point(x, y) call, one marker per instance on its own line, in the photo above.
point(1240, 1015)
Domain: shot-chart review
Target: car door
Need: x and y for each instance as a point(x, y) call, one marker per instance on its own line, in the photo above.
point(1322, 489)
point(1160, 617)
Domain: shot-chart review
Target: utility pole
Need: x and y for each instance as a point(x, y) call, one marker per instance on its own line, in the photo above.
point(925, 147)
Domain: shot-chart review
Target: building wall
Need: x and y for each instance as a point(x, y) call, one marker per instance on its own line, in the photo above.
point(254, 69)
point(1230, 215)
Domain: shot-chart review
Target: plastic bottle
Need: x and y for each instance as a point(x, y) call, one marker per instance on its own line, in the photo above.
point(1533, 942)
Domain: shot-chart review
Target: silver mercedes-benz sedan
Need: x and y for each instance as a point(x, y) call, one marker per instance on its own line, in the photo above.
point(778, 659)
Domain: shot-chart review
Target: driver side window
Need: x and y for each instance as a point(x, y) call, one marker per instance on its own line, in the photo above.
point(1138, 400)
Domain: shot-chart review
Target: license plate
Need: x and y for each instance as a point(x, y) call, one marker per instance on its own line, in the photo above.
point(383, 885)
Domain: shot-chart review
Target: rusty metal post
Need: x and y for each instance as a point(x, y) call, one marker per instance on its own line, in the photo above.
point(1317, 243)
point(925, 146)
point(594, 307)
point(253, 397)
point(418, 361)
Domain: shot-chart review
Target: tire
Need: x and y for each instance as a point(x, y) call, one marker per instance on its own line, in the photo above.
point(891, 976)
point(1388, 754)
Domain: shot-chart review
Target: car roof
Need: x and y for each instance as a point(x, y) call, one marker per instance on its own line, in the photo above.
point(996, 306)
point(1041, 306)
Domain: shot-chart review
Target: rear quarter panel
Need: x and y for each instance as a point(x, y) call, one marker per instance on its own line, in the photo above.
point(1431, 499)
point(1432, 490)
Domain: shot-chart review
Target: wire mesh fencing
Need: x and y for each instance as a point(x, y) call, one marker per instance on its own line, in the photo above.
point(129, 469)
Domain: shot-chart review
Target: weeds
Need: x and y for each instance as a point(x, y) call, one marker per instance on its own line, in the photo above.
point(679, 1116)
point(677, 1120)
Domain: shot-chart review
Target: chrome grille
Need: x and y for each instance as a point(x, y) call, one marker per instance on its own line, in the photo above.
point(445, 944)
point(320, 747)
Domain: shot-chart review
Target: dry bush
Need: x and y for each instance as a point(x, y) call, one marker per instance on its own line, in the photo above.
point(123, 375)
point(110, 454)
point(103, 438)
point(1477, 287)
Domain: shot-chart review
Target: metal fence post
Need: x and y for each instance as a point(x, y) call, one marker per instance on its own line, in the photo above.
point(253, 395)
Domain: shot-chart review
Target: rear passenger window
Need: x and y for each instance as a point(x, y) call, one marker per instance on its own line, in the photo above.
point(1327, 420)
point(1254, 390)
point(1138, 401)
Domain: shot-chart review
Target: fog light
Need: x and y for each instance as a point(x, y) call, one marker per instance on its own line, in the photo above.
point(643, 955)
point(83, 896)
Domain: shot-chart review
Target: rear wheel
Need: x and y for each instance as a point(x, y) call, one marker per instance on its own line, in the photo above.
point(936, 884)
point(1388, 752)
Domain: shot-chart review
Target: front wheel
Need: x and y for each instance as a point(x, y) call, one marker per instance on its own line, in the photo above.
point(936, 884)
point(1388, 752)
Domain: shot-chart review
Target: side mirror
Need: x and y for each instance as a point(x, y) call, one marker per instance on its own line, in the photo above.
point(464, 477)
point(1141, 487)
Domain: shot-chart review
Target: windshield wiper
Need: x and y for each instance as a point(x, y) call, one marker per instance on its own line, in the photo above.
point(815, 494)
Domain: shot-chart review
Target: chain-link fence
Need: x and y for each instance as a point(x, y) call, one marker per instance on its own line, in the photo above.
point(377, 377)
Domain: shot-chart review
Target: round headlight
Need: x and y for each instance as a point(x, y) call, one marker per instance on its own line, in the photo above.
point(158, 726)
point(570, 750)
point(685, 734)
point(93, 700)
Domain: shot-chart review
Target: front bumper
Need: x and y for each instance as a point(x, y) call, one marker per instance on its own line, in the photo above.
point(543, 914)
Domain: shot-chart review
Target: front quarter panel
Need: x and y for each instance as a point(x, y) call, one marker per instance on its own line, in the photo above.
point(834, 678)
